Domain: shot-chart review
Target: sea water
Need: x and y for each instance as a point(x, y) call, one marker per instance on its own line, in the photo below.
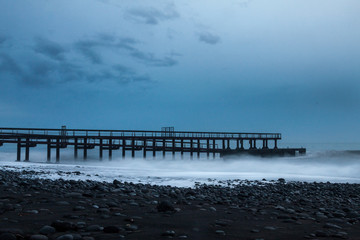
point(322, 163)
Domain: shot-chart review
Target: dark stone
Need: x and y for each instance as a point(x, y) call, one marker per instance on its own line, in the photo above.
point(116, 182)
point(220, 232)
point(111, 229)
point(7, 236)
point(94, 228)
point(65, 237)
point(320, 233)
point(168, 233)
point(165, 206)
point(62, 226)
point(131, 227)
point(38, 237)
point(46, 230)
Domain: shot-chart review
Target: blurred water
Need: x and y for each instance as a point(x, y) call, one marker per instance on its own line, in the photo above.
point(316, 165)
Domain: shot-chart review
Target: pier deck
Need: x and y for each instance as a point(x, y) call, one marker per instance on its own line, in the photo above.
point(166, 140)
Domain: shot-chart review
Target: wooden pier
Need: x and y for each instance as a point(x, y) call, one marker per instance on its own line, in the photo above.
point(166, 140)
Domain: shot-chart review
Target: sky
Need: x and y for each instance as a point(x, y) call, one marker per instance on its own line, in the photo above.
point(239, 65)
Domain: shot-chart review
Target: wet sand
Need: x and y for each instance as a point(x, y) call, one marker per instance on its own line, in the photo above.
point(32, 208)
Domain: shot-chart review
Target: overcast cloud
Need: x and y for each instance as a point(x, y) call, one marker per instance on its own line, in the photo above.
point(287, 66)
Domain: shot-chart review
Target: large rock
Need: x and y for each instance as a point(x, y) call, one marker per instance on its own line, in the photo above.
point(111, 229)
point(46, 230)
point(165, 206)
point(65, 237)
point(62, 226)
point(7, 236)
point(38, 237)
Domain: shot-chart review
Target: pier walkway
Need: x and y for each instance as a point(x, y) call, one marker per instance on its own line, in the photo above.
point(166, 140)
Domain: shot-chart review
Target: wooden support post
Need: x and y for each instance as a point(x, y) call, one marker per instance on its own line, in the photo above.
point(251, 145)
point(275, 147)
point(27, 150)
point(164, 147)
point(207, 148)
point(237, 144)
point(101, 148)
point(144, 149)
point(48, 150)
point(242, 144)
point(255, 143)
point(133, 148)
point(173, 147)
point(123, 148)
point(182, 148)
point(191, 148)
point(154, 147)
point(57, 150)
point(214, 146)
point(228, 144)
point(110, 149)
point(18, 157)
point(76, 148)
point(198, 148)
point(85, 148)
point(223, 144)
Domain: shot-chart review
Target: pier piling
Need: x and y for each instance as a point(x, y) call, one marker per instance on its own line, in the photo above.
point(217, 143)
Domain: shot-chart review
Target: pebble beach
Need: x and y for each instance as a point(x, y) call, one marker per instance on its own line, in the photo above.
point(39, 209)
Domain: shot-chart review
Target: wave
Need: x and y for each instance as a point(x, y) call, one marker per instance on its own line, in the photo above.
point(333, 166)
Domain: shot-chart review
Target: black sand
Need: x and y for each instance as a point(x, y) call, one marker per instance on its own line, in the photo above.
point(245, 210)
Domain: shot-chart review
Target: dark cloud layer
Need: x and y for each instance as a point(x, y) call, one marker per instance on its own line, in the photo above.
point(8, 65)
point(50, 49)
point(152, 16)
point(91, 49)
point(209, 38)
point(87, 49)
point(2, 39)
point(49, 62)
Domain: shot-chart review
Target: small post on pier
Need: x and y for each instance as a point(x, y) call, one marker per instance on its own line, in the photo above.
point(57, 150)
point(27, 150)
point(207, 148)
point(255, 143)
point(275, 147)
point(133, 148)
point(164, 147)
point(265, 144)
point(198, 148)
point(154, 147)
point(214, 148)
point(110, 149)
point(144, 149)
point(228, 144)
point(191, 148)
point(182, 148)
point(251, 145)
point(85, 148)
point(123, 147)
point(101, 148)
point(75, 148)
point(223, 144)
point(237, 144)
point(241, 144)
point(18, 157)
point(48, 150)
point(173, 147)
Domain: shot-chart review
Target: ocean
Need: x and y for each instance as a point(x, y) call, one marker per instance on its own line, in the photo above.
point(322, 163)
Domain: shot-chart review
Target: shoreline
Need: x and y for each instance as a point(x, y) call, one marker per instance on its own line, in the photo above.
point(119, 210)
point(186, 173)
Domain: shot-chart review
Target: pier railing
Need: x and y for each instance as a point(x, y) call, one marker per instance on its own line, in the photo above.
point(135, 133)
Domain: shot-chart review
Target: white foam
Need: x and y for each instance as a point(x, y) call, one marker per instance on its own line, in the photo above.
point(316, 166)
